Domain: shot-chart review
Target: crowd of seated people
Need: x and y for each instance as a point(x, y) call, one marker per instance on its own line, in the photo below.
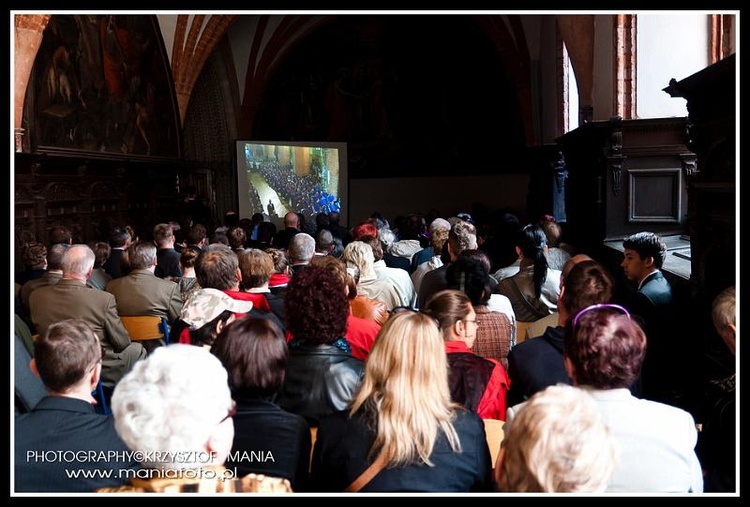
point(304, 193)
point(393, 347)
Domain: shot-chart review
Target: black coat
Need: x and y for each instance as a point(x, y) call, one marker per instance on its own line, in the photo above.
point(320, 380)
point(82, 436)
point(269, 440)
point(343, 444)
point(535, 364)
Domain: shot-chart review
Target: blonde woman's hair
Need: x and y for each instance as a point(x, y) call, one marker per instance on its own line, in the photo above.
point(558, 442)
point(361, 255)
point(405, 390)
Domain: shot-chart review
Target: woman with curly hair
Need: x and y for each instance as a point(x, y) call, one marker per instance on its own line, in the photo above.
point(322, 374)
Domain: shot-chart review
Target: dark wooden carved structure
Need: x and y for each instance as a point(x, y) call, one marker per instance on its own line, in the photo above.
point(712, 111)
point(625, 176)
point(102, 139)
point(90, 195)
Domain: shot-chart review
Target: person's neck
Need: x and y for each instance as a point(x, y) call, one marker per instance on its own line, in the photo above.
point(526, 262)
point(562, 315)
point(73, 276)
point(454, 337)
point(80, 392)
point(259, 289)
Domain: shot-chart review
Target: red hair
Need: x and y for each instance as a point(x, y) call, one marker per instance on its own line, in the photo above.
point(364, 229)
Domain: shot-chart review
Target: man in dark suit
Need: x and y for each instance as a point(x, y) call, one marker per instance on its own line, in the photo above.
point(167, 258)
point(291, 228)
point(339, 231)
point(63, 445)
point(119, 240)
point(665, 368)
point(71, 299)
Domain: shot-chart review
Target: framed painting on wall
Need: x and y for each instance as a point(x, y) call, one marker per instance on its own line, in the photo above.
point(102, 84)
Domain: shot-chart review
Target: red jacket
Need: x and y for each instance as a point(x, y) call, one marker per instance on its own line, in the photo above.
point(478, 383)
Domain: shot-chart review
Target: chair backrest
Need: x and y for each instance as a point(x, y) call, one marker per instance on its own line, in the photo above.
point(521, 327)
point(21, 329)
point(143, 327)
point(29, 388)
point(493, 428)
point(313, 437)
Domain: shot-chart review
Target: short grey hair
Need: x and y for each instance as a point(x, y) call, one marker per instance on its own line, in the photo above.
point(301, 248)
point(162, 405)
point(387, 237)
point(439, 224)
point(142, 255)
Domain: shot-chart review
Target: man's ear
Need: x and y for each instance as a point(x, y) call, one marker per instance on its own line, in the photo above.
point(648, 261)
point(33, 368)
point(224, 323)
point(94, 380)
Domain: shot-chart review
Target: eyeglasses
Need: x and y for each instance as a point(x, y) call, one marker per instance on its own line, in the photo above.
point(599, 306)
point(231, 412)
point(475, 321)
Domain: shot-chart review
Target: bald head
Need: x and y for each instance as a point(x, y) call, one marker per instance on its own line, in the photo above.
point(77, 262)
point(291, 220)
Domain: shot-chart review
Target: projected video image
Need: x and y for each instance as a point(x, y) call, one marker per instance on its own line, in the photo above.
point(285, 178)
